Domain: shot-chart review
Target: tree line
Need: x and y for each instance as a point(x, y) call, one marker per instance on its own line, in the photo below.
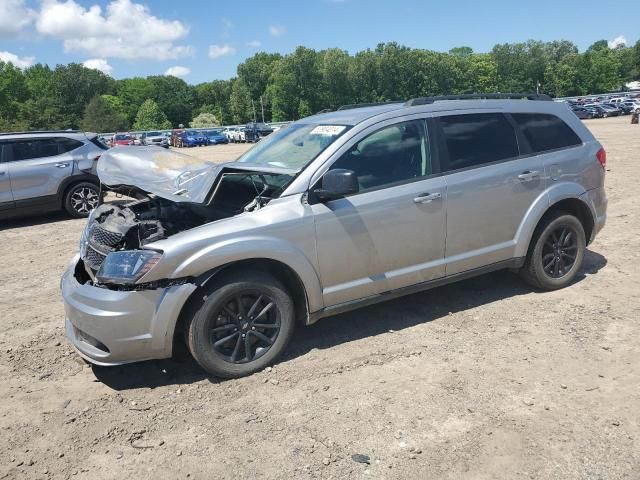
point(295, 85)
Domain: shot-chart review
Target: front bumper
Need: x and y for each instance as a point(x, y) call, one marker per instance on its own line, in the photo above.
point(110, 327)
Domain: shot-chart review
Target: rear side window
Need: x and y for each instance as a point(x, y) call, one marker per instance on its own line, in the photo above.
point(68, 144)
point(478, 138)
point(546, 132)
point(98, 143)
point(36, 148)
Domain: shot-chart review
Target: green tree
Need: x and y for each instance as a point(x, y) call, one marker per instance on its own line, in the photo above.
point(101, 116)
point(75, 85)
point(150, 117)
point(204, 120)
point(132, 92)
point(241, 107)
point(174, 97)
point(13, 91)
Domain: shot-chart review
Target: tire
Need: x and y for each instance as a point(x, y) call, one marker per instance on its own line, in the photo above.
point(81, 198)
point(556, 252)
point(220, 310)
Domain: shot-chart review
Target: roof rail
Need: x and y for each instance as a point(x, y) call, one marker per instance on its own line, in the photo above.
point(478, 96)
point(363, 105)
point(39, 132)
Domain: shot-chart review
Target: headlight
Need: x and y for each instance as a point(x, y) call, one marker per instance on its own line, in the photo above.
point(127, 266)
point(84, 238)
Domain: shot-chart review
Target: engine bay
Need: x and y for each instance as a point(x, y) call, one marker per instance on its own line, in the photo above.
point(146, 218)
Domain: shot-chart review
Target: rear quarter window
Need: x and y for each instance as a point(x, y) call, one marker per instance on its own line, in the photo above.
point(68, 144)
point(546, 132)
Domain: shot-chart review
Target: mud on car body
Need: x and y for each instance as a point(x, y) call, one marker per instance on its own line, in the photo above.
point(338, 210)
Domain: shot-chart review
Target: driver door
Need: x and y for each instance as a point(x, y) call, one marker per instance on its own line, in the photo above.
point(391, 234)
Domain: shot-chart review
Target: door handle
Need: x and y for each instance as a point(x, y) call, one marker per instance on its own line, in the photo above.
point(62, 165)
point(427, 197)
point(528, 175)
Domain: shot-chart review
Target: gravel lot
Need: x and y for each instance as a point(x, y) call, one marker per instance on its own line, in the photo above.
point(482, 379)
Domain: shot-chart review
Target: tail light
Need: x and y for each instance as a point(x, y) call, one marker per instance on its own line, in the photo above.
point(602, 157)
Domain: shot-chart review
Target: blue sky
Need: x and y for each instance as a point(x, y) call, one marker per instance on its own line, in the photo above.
point(206, 40)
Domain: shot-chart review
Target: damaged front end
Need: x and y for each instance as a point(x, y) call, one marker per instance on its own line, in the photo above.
point(168, 193)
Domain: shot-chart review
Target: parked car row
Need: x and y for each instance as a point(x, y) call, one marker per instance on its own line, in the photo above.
point(603, 107)
point(252, 132)
point(197, 138)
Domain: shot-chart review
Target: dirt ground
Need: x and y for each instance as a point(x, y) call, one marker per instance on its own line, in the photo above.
point(483, 379)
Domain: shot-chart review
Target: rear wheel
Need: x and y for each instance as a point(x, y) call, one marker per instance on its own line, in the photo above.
point(81, 198)
point(244, 324)
point(556, 253)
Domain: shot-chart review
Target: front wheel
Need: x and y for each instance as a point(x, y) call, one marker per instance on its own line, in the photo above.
point(556, 253)
point(81, 198)
point(243, 324)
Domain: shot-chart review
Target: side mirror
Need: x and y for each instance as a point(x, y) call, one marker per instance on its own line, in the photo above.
point(336, 184)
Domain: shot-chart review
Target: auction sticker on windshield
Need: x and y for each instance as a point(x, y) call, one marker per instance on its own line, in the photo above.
point(327, 130)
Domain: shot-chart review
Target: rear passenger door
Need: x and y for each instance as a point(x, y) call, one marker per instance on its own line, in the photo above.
point(490, 187)
point(38, 166)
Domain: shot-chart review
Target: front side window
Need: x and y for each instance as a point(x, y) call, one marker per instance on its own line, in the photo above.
point(476, 139)
point(394, 154)
point(546, 132)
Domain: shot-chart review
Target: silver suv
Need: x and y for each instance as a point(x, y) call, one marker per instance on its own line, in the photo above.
point(43, 171)
point(336, 211)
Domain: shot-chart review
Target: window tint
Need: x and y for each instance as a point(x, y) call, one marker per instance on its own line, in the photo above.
point(477, 138)
point(36, 148)
point(546, 132)
point(392, 154)
point(68, 144)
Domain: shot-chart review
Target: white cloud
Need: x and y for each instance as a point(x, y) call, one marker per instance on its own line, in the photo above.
point(125, 30)
point(217, 51)
point(20, 62)
point(227, 27)
point(277, 30)
point(254, 44)
point(616, 42)
point(98, 64)
point(14, 16)
point(178, 71)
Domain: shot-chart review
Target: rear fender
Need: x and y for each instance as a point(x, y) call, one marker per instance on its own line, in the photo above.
point(552, 195)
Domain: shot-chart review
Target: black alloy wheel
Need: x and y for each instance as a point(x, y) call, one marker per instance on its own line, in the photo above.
point(559, 251)
point(556, 252)
point(243, 322)
point(245, 327)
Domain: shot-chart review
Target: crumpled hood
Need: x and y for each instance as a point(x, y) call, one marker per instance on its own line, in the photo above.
point(167, 173)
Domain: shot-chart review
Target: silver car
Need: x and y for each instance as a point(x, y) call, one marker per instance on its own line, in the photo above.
point(338, 210)
point(158, 139)
point(43, 171)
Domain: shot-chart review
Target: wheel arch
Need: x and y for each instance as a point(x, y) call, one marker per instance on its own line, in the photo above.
point(70, 182)
point(565, 197)
point(279, 270)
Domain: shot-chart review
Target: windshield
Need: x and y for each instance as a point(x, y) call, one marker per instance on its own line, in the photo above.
point(191, 133)
point(214, 132)
point(153, 134)
point(123, 137)
point(293, 147)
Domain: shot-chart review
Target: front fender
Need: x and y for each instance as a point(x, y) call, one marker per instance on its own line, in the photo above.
point(552, 195)
point(255, 247)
